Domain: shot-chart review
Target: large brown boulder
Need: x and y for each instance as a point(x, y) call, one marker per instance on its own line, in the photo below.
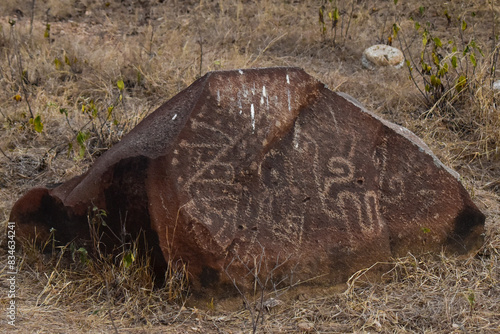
point(265, 168)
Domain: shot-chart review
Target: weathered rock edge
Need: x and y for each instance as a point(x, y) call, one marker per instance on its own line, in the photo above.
point(266, 168)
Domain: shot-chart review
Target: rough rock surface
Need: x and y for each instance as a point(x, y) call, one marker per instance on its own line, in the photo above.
point(265, 171)
point(382, 55)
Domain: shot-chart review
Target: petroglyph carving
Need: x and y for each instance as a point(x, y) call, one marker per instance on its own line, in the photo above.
point(270, 159)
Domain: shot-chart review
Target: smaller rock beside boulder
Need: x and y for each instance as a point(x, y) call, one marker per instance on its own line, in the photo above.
point(496, 85)
point(382, 55)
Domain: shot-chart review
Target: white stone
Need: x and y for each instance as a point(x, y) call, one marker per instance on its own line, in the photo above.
point(382, 55)
point(496, 85)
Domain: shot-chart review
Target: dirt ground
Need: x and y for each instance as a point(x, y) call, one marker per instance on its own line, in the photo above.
point(76, 75)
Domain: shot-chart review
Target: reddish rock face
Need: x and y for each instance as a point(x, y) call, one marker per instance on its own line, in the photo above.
point(267, 168)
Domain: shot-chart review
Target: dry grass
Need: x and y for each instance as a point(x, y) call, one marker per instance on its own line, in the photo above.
point(157, 49)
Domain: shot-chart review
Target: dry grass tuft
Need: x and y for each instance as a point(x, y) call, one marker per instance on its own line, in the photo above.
point(113, 290)
point(158, 48)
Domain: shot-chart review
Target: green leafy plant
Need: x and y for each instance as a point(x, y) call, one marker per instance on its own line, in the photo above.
point(98, 133)
point(471, 298)
point(57, 63)
point(128, 258)
point(120, 85)
point(79, 254)
point(37, 123)
point(425, 230)
point(454, 74)
point(81, 138)
point(331, 13)
point(63, 62)
point(442, 71)
point(47, 31)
